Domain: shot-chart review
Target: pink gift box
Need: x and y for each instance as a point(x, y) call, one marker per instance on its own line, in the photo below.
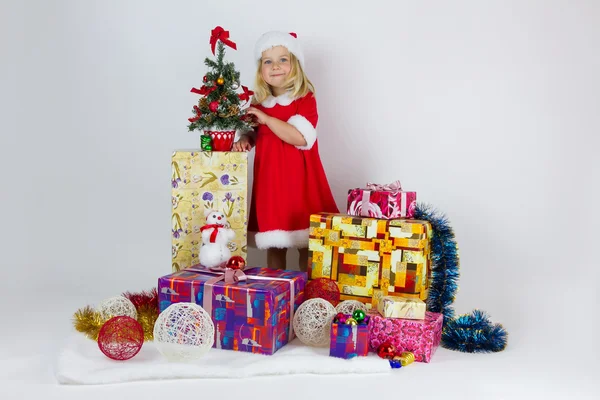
point(382, 201)
point(420, 337)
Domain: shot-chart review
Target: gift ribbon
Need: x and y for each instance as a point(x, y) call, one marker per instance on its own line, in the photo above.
point(231, 276)
point(213, 235)
point(391, 187)
point(220, 34)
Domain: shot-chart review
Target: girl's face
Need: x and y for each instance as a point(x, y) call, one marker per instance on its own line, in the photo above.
point(275, 66)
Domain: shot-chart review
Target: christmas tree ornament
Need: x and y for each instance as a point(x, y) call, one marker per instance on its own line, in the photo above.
point(235, 85)
point(121, 338)
point(395, 364)
point(184, 332)
point(349, 306)
point(220, 81)
point(312, 322)
point(236, 262)
point(116, 306)
point(351, 321)
point(359, 315)
point(324, 288)
point(405, 358)
point(205, 79)
point(206, 142)
point(386, 350)
point(213, 106)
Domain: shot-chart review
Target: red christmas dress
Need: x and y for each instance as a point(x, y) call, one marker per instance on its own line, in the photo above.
point(289, 181)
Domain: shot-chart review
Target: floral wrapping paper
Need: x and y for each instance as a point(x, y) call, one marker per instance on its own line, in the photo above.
point(385, 204)
point(365, 254)
point(202, 180)
point(420, 337)
point(251, 316)
point(349, 341)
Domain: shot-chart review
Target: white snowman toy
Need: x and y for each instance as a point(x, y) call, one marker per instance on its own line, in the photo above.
point(215, 236)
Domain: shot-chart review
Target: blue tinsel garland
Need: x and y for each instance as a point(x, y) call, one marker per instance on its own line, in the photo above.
point(469, 333)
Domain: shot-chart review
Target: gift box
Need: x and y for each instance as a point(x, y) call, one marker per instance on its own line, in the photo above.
point(401, 307)
point(362, 253)
point(382, 201)
point(253, 315)
point(349, 341)
point(203, 180)
point(420, 337)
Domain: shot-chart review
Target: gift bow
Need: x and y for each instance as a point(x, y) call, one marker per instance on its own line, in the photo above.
point(391, 187)
point(220, 34)
point(213, 235)
point(229, 275)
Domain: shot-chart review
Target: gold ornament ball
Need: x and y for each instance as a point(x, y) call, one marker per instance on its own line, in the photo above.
point(220, 80)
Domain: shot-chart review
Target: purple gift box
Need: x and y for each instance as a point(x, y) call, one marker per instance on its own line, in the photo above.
point(252, 315)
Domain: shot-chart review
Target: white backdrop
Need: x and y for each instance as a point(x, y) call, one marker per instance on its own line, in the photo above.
point(489, 110)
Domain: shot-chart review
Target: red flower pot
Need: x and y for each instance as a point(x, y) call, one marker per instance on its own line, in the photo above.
point(221, 140)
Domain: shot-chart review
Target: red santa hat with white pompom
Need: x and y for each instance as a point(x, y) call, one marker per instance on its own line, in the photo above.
point(276, 38)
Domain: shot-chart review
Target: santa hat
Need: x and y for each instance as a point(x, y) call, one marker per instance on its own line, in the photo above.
point(275, 38)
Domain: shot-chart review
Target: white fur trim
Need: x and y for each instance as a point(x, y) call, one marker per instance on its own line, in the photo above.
point(275, 38)
point(306, 129)
point(283, 100)
point(280, 239)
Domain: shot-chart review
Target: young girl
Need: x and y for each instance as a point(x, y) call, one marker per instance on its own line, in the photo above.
point(289, 180)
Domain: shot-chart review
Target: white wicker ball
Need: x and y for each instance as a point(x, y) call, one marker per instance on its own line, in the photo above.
point(184, 332)
point(349, 306)
point(116, 307)
point(312, 322)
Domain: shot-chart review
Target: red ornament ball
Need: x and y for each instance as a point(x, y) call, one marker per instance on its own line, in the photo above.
point(323, 288)
point(121, 338)
point(205, 79)
point(213, 106)
point(386, 350)
point(236, 262)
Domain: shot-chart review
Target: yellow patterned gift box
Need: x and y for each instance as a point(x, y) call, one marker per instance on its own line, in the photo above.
point(203, 180)
point(392, 256)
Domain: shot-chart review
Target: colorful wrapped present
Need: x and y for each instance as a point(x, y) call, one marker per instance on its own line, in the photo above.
point(361, 253)
point(401, 307)
point(203, 180)
point(382, 201)
point(349, 341)
point(420, 337)
point(252, 313)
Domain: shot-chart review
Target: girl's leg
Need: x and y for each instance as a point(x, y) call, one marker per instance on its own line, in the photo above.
point(303, 259)
point(276, 258)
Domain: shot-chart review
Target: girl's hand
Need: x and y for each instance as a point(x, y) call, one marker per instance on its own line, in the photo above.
point(243, 144)
point(261, 117)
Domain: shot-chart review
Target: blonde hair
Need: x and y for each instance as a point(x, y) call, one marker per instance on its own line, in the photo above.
point(298, 83)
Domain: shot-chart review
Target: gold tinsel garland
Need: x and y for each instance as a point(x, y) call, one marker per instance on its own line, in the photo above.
point(87, 321)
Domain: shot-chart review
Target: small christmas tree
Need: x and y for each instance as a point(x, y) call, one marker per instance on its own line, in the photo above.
point(219, 112)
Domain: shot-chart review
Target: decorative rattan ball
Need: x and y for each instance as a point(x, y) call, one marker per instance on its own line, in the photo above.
point(349, 306)
point(184, 332)
point(312, 322)
point(121, 338)
point(115, 307)
point(324, 288)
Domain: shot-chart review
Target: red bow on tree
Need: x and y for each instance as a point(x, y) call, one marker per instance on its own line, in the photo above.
point(213, 235)
point(204, 90)
point(198, 115)
point(246, 95)
point(220, 34)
